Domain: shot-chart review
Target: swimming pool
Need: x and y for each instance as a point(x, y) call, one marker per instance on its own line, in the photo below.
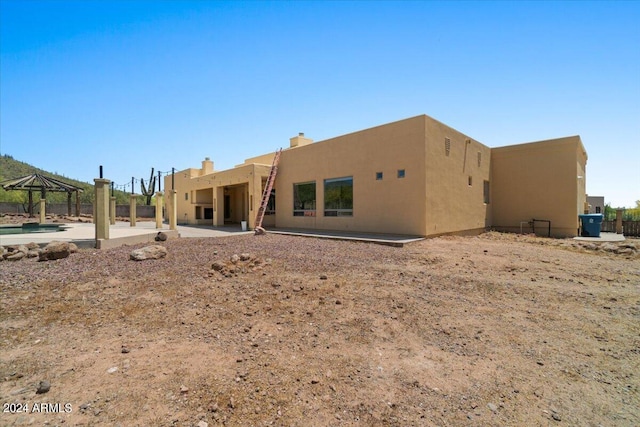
point(31, 227)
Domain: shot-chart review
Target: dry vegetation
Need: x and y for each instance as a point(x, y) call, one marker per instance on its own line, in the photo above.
point(490, 330)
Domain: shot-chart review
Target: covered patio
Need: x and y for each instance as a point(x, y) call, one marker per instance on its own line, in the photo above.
point(44, 184)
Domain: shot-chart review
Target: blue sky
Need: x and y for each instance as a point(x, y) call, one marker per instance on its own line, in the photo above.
point(132, 85)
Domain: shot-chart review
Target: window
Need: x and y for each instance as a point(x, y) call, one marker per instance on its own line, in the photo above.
point(379, 176)
point(447, 146)
point(598, 209)
point(304, 199)
point(486, 192)
point(470, 181)
point(338, 197)
point(400, 173)
point(479, 158)
point(271, 204)
point(186, 196)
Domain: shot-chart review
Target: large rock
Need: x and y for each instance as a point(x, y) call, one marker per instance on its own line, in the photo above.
point(148, 252)
point(54, 250)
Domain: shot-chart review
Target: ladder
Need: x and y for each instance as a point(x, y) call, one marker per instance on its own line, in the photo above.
point(267, 192)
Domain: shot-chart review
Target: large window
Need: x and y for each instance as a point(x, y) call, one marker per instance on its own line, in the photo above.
point(338, 197)
point(304, 199)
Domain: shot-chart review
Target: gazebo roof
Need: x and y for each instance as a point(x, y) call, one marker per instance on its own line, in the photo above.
point(37, 181)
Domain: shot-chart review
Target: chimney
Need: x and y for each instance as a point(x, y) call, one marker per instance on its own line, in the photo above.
point(207, 166)
point(299, 141)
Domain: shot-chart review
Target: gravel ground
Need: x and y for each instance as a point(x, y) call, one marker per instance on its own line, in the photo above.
point(497, 329)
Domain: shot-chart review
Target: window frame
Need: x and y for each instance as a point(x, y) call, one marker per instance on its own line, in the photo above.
point(299, 209)
point(339, 211)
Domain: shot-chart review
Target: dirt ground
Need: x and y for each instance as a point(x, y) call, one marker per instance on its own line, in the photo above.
point(454, 331)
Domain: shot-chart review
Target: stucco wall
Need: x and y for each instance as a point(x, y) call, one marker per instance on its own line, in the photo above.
point(390, 205)
point(455, 181)
point(542, 180)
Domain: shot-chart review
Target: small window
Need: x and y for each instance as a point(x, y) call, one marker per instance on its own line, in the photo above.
point(338, 196)
point(447, 146)
point(304, 199)
point(486, 192)
point(186, 196)
point(400, 173)
point(479, 159)
point(598, 209)
point(379, 176)
point(470, 181)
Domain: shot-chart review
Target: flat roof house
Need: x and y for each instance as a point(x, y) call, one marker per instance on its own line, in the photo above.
point(415, 176)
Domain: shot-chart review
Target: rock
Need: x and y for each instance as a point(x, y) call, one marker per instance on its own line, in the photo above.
point(218, 266)
point(234, 258)
point(492, 407)
point(148, 252)
point(184, 389)
point(73, 248)
point(259, 231)
point(43, 387)
point(245, 257)
point(32, 246)
point(202, 424)
point(124, 350)
point(54, 250)
point(33, 253)
point(323, 277)
point(16, 256)
point(161, 237)
point(112, 370)
point(556, 417)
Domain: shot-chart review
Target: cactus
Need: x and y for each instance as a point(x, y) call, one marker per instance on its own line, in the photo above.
point(148, 191)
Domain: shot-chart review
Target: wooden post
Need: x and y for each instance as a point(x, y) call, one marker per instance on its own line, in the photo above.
point(43, 215)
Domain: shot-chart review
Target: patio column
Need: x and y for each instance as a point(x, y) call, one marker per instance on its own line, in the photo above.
point(112, 210)
point(133, 198)
point(101, 208)
point(159, 209)
point(172, 208)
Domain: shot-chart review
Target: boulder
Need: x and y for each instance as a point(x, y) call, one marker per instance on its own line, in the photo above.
point(16, 256)
point(148, 252)
point(54, 250)
point(161, 237)
point(73, 248)
point(33, 253)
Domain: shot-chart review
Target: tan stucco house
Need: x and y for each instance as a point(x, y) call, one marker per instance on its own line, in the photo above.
point(415, 176)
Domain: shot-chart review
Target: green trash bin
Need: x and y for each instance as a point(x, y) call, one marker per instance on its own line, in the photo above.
point(591, 224)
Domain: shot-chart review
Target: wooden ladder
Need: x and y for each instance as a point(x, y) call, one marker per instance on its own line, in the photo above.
point(267, 193)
